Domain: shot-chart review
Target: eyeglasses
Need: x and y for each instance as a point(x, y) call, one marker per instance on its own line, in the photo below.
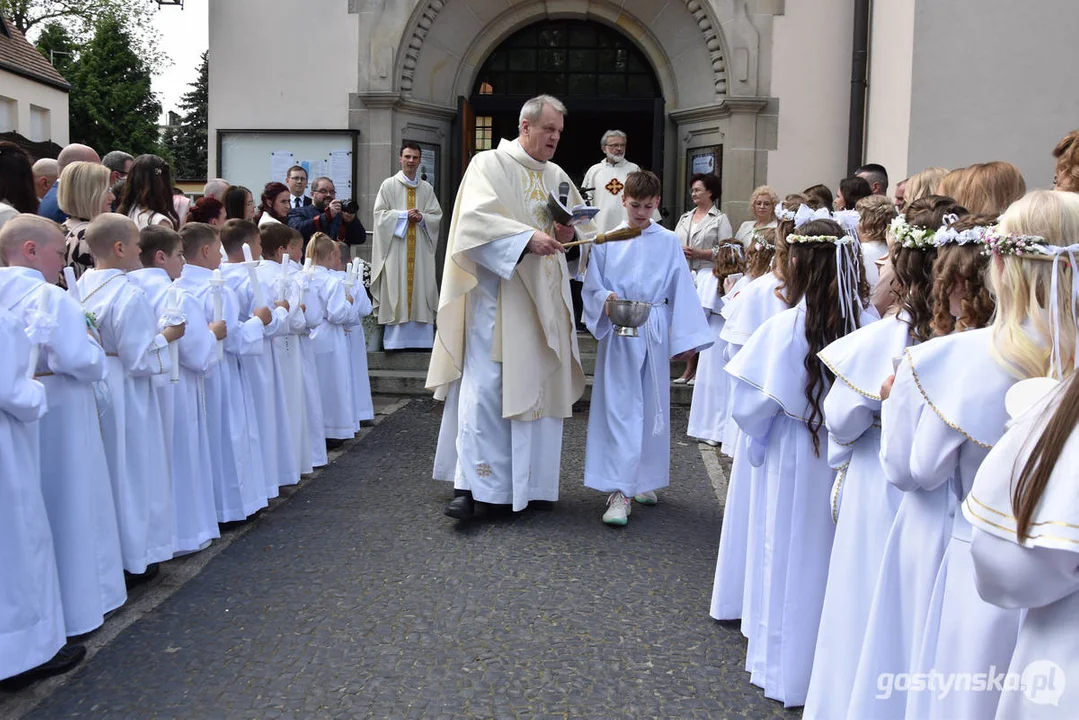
point(617, 146)
point(331, 193)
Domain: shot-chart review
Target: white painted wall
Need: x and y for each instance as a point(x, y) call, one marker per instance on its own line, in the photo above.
point(26, 92)
point(891, 54)
point(280, 64)
point(993, 80)
point(812, 45)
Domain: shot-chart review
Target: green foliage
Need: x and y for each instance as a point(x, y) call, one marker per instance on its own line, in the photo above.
point(186, 144)
point(81, 18)
point(111, 104)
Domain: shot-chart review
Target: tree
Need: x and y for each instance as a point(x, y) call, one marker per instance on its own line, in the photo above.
point(111, 104)
point(81, 17)
point(187, 143)
point(59, 48)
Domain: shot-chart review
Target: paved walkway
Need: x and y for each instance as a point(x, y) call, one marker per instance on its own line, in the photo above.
point(358, 598)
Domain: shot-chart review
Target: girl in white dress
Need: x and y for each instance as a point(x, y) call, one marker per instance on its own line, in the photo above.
point(1025, 514)
point(741, 540)
point(147, 194)
point(708, 408)
point(777, 395)
point(942, 437)
point(863, 503)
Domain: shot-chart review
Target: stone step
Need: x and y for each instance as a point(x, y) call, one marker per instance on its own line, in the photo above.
point(420, 361)
point(411, 382)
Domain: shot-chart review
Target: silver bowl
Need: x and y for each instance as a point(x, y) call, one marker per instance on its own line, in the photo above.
point(628, 315)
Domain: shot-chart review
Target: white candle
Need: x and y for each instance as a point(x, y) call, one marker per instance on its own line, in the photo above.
point(284, 274)
point(217, 284)
point(224, 255)
point(72, 284)
point(173, 303)
point(38, 334)
point(247, 253)
point(258, 299)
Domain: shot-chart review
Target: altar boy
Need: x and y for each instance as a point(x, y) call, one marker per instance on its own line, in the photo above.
point(628, 448)
point(132, 425)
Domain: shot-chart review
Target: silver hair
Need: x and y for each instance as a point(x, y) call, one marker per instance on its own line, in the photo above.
point(610, 134)
point(533, 108)
point(216, 188)
point(116, 160)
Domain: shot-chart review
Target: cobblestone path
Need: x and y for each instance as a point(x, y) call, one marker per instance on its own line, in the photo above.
point(357, 598)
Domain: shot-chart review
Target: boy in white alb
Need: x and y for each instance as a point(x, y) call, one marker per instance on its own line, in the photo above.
point(290, 439)
point(183, 404)
point(236, 494)
point(628, 448)
point(131, 426)
point(312, 396)
point(332, 359)
point(32, 642)
point(357, 339)
point(249, 490)
point(74, 473)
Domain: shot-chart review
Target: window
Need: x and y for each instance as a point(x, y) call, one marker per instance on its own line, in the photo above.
point(9, 115)
point(484, 132)
point(40, 124)
point(567, 58)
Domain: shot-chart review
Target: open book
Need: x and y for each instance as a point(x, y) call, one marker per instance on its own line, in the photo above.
point(569, 216)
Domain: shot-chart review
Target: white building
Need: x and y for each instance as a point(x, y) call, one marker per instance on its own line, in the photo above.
point(763, 86)
point(33, 96)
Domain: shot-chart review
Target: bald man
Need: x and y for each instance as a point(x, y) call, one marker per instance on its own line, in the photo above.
point(45, 174)
point(74, 152)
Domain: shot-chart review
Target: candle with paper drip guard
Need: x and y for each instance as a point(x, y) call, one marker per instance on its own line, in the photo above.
point(172, 304)
point(217, 285)
point(282, 288)
point(350, 279)
point(72, 284)
point(258, 298)
point(39, 329)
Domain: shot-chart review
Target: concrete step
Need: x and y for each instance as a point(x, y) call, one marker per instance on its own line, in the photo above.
point(420, 361)
point(411, 382)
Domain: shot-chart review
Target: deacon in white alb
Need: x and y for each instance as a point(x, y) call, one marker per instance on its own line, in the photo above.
point(407, 218)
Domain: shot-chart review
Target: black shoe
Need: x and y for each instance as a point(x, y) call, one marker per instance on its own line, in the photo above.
point(545, 505)
point(461, 508)
point(334, 443)
point(69, 656)
point(132, 580)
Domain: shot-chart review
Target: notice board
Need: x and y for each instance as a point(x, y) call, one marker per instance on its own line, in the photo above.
point(253, 158)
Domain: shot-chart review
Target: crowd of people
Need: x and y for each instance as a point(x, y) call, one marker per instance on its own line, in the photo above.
point(165, 374)
point(896, 387)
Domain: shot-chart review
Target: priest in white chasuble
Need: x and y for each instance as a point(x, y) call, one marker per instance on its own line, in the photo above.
point(505, 357)
point(407, 219)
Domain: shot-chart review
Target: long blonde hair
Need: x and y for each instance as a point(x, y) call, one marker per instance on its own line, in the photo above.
point(922, 184)
point(1023, 328)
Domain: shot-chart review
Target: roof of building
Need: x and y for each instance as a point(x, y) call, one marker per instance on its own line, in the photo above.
point(18, 56)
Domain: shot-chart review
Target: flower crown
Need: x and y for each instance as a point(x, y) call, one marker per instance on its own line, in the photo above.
point(911, 236)
point(760, 243)
point(949, 236)
point(997, 243)
point(803, 239)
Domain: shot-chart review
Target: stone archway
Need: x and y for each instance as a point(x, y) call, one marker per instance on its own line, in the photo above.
point(704, 53)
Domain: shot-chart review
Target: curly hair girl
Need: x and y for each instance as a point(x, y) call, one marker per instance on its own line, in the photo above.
point(961, 297)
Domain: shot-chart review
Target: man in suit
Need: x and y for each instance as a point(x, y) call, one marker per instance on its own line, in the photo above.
point(296, 180)
point(325, 214)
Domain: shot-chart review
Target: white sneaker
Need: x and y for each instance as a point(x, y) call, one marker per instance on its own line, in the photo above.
point(646, 498)
point(617, 509)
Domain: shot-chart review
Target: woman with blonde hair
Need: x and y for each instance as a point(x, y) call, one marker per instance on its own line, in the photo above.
point(922, 184)
point(84, 193)
point(763, 202)
point(989, 188)
point(934, 435)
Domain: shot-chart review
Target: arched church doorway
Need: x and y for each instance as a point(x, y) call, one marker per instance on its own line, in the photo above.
point(605, 81)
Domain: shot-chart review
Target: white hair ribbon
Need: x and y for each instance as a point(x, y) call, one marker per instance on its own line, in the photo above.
point(847, 280)
point(806, 214)
point(1059, 252)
